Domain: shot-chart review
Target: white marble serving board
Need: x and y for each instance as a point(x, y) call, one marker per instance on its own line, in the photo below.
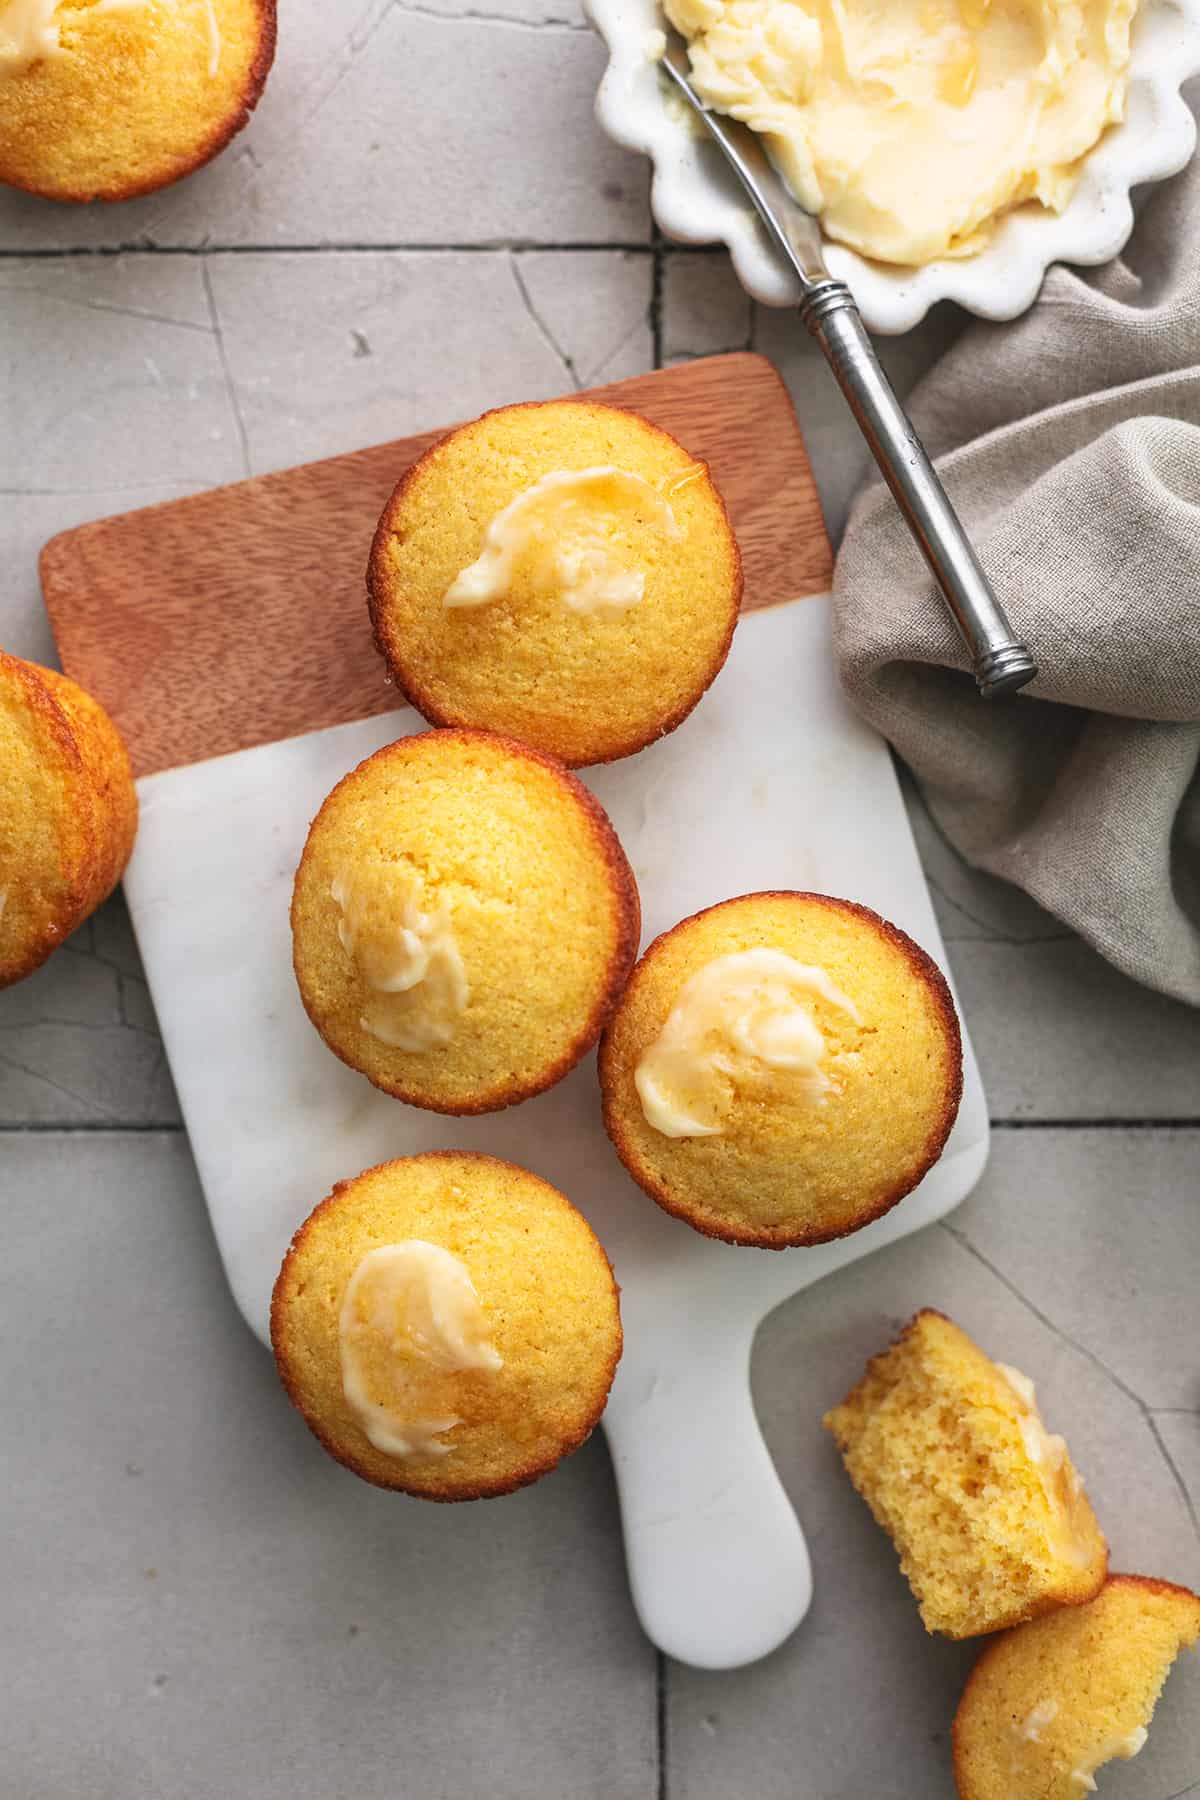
point(771, 783)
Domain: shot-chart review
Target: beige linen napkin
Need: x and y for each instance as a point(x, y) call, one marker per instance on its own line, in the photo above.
point(1070, 442)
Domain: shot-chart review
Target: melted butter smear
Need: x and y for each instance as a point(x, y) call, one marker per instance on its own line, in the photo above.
point(1047, 1451)
point(407, 957)
point(410, 1321)
point(746, 1012)
point(30, 30)
point(559, 527)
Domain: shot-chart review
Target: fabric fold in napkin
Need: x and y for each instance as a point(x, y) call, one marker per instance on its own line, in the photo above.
point(1069, 441)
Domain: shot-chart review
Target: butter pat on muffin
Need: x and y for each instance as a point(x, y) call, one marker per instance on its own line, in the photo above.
point(421, 1297)
point(105, 99)
point(68, 812)
point(448, 1325)
point(563, 572)
point(1050, 1703)
point(782, 1069)
point(984, 1506)
point(463, 920)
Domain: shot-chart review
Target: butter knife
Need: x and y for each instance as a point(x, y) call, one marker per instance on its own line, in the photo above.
point(999, 660)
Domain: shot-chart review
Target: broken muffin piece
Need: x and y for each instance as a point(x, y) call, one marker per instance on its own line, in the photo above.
point(1049, 1703)
point(983, 1504)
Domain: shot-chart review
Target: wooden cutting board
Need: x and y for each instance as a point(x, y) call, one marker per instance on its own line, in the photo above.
point(238, 616)
point(228, 635)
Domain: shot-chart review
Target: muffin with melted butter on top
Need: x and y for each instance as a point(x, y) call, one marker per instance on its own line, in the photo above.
point(448, 1325)
point(781, 1069)
point(463, 919)
point(106, 99)
point(564, 573)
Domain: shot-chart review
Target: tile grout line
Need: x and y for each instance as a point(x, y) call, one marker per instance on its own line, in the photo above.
point(1082, 1123)
point(487, 247)
point(93, 1128)
point(657, 277)
point(97, 1127)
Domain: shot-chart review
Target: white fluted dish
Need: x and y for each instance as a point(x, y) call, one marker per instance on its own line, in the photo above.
point(696, 200)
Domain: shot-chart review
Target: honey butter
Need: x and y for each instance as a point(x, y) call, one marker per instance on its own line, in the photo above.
point(561, 529)
point(29, 33)
point(407, 957)
point(1030, 1728)
point(911, 126)
point(741, 1018)
point(1129, 1745)
point(1046, 1450)
point(410, 1322)
point(1048, 1453)
point(31, 30)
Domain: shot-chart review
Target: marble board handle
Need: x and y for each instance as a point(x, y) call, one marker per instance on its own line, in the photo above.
point(717, 1561)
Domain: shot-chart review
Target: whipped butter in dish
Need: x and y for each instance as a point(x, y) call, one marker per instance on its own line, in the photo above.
point(411, 1322)
point(911, 126)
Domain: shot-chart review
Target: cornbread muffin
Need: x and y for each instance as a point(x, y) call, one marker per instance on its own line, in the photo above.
point(448, 1325)
point(562, 572)
point(1047, 1704)
point(983, 1504)
point(105, 99)
point(781, 1069)
point(68, 812)
point(462, 921)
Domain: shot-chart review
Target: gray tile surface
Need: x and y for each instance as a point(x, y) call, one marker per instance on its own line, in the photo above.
point(396, 122)
point(423, 221)
point(327, 353)
point(199, 1603)
point(79, 1043)
point(859, 1701)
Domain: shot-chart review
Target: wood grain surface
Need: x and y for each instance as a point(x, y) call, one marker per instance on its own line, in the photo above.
point(238, 617)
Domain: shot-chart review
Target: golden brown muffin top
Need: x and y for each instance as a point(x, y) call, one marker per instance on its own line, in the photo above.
point(611, 616)
point(791, 1161)
point(519, 906)
point(548, 1310)
point(131, 97)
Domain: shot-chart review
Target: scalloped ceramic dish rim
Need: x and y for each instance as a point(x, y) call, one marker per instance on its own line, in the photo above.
point(1155, 140)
